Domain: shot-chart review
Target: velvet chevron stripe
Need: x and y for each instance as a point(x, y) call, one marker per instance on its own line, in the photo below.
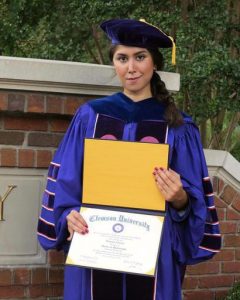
point(212, 238)
point(46, 229)
point(207, 186)
point(211, 242)
point(48, 199)
point(53, 170)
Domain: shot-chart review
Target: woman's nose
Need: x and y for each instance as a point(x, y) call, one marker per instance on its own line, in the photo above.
point(131, 66)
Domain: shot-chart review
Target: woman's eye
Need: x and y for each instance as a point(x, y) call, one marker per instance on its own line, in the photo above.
point(140, 57)
point(122, 58)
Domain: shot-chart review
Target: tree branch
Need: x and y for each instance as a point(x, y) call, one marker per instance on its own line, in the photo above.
point(91, 53)
point(96, 40)
point(233, 123)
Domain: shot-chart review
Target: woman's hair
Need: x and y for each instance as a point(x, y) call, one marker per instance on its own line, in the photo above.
point(158, 88)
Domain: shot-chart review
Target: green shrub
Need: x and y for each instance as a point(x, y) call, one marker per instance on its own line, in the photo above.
point(234, 293)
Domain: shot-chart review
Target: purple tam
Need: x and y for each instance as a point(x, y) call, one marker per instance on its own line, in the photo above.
point(135, 33)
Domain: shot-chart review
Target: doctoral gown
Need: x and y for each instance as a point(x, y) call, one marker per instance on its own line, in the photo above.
point(189, 236)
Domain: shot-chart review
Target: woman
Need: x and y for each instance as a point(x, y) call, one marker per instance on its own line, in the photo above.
point(144, 111)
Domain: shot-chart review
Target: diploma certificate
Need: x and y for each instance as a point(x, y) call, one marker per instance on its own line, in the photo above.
point(117, 241)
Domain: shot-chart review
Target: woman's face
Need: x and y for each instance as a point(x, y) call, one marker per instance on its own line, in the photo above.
point(134, 67)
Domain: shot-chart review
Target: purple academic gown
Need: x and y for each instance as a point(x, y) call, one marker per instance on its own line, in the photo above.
point(188, 237)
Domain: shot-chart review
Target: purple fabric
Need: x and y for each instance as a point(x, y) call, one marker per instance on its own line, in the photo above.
point(135, 33)
point(183, 239)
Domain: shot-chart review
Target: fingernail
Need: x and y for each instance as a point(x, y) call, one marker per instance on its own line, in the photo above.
point(154, 173)
point(156, 168)
point(161, 169)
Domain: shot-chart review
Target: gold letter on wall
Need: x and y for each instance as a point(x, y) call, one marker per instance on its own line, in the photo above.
point(2, 199)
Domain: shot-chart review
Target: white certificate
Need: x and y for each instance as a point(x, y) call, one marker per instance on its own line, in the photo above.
point(117, 241)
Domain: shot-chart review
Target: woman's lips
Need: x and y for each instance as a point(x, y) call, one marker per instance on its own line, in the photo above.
point(132, 79)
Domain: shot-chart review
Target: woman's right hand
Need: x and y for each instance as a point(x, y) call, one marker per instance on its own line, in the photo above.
point(75, 222)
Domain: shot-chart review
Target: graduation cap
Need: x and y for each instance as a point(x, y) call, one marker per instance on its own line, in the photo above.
point(136, 33)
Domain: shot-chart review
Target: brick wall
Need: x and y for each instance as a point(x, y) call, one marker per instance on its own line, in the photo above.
point(30, 282)
point(211, 280)
point(31, 127)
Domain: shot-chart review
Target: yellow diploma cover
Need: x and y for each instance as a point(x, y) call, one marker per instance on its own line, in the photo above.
point(119, 173)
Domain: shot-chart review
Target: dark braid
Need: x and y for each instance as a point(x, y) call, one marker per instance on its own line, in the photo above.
point(158, 89)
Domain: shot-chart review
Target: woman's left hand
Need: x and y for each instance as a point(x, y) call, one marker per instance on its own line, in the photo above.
point(170, 185)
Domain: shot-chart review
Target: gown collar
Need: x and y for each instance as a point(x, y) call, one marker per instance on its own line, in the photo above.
point(137, 103)
point(121, 106)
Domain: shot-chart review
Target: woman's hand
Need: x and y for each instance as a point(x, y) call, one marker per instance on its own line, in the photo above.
point(170, 185)
point(76, 223)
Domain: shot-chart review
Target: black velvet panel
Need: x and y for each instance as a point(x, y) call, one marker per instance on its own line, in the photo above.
point(53, 171)
point(212, 216)
point(107, 125)
point(207, 187)
point(51, 199)
point(139, 287)
point(46, 229)
point(209, 228)
point(48, 200)
point(155, 129)
point(107, 285)
point(211, 242)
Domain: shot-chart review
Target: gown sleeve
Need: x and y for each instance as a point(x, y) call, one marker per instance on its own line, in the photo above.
point(64, 185)
point(195, 232)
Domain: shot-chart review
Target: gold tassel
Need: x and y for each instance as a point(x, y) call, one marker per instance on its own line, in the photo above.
point(173, 43)
point(173, 51)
